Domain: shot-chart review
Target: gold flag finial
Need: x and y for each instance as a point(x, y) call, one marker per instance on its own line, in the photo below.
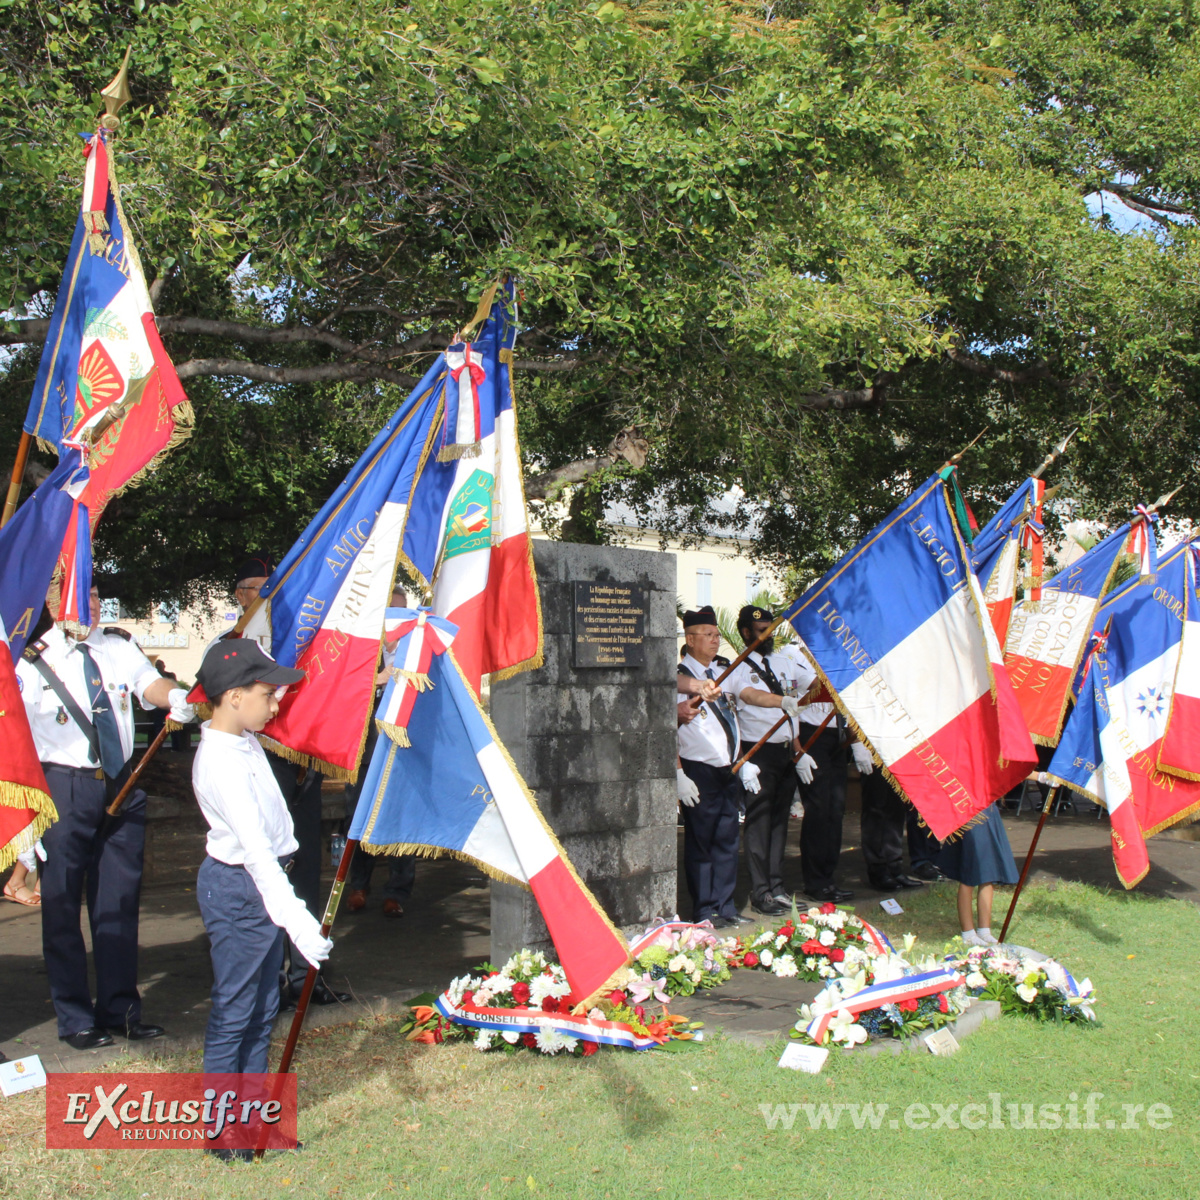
point(955, 459)
point(116, 95)
point(1061, 448)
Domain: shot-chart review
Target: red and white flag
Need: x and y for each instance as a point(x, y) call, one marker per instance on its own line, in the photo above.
point(468, 532)
point(25, 805)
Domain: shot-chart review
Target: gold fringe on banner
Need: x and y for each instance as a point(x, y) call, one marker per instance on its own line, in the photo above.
point(421, 683)
point(20, 795)
point(457, 451)
point(397, 733)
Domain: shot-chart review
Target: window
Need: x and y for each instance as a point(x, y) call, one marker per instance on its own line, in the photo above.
point(752, 582)
point(168, 613)
point(703, 587)
point(110, 610)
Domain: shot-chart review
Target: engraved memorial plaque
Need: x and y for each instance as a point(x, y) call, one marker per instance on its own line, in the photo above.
point(610, 625)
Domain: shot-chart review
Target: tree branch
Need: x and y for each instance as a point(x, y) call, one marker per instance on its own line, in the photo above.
point(1040, 372)
point(1140, 202)
point(320, 374)
point(628, 445)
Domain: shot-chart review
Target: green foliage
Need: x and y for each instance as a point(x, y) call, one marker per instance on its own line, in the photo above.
point(727, 219)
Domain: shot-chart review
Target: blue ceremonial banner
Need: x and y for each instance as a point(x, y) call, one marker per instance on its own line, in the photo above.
point(323, 607)
point(31, 543)
point(995, 535)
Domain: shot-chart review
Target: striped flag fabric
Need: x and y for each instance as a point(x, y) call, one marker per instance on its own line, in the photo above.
point(324, 604)
point(412, 636)
point(899, 633)
point(1111, 743)
point(105, 383)
point(468, 533)
point(996, 552)
point(905, 987)
point(1179, 751)
point(1047, 638)
point(26, 809)
point(30, 545)
point(455, 791)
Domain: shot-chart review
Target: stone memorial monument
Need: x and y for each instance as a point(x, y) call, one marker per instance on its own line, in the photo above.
point(593, 733)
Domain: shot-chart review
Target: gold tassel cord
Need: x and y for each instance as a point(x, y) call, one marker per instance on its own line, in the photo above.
point(397, 733)
point(420, 682)
point(455, 452)
point(17, 795)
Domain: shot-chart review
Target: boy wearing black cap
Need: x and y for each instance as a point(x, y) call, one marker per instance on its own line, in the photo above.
point(245, 896)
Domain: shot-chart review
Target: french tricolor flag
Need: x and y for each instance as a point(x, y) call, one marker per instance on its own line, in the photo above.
point(468, 532)
point(1179, 751)
point(324, 605)
point(996, 551)
point(899, 631)
point(1112, 743)
point(1047, 638)
point(455, 791)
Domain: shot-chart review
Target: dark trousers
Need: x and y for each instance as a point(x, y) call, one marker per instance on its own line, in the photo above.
point(108, 870)
point(765, 831)
point(883, 819)
point(402, 868)
point(922, 845)
point(303, 798)
point(710, 840)
point(247, 954)
point(824, 807)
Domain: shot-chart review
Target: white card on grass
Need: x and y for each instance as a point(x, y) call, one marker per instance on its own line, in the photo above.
point(891, 906)
point(941, 1042)
point(809, 1059)
point(21, 1075)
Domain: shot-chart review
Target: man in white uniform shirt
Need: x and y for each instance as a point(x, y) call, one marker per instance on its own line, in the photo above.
point(78, 695)
point(767, 682)
point(709, 791)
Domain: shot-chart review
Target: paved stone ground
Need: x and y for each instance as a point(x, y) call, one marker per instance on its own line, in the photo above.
point(446, 930)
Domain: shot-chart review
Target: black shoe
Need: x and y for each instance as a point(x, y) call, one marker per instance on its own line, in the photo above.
point(324, 994)
point(87, 1039)
point(830, 895)
point(722, 922)
point(227, 1155)
point(906, 883)
point(770, 907)
point(927, 871)
point(137, 1031)
point(786, 901)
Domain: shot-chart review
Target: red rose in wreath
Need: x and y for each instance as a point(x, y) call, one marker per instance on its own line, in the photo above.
point(907, 1006)
point(590, 1048)
point(527, 1039)
point(549, 1004)
point(828, 907)
point(751, 959)
point(520, 994)
point(618, 997)
point(943, 1003)
point(812, 946)
point(836, 955)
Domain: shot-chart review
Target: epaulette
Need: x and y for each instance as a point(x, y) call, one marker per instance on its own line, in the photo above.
point(114, 631)
point(34, 651)
point(721, 660)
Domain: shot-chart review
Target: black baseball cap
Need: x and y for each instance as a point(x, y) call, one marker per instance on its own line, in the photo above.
point(238, 662)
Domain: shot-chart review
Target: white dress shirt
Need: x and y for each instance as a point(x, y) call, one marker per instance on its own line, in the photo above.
point(795, 675)
point(124, 671)
point(703, 738)
point(248, 822)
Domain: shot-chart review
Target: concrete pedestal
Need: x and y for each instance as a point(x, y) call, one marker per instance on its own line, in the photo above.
point(597, 747)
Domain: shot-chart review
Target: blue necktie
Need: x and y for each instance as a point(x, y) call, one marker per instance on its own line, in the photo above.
point(112, 755)
point(721, 707)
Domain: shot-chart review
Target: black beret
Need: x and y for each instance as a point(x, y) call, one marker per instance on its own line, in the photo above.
point(256, 565)
point(699, 616)
point(751, 613)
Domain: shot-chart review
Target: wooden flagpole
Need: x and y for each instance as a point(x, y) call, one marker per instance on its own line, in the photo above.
point(1037, 833)
point(310, 980)
point(762, 741)
point(18, 476)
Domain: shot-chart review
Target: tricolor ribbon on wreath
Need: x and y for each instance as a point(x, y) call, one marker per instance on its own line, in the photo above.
point(531, 1020)
point(462, 404)
point(413, 636)
point(907, 987)
point(1141, 543)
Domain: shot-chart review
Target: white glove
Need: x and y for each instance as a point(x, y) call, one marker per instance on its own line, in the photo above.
point(805, 766)
point(685, 787)
point(181, 711)
point(862, 758)
point(749, 777)
point(312, 945)
point(797, 809)
point(790, 705)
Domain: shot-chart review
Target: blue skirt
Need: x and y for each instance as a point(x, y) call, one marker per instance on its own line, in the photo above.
point(981, 855)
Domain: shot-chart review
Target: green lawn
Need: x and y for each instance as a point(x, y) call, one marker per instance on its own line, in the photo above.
point(380, 1117)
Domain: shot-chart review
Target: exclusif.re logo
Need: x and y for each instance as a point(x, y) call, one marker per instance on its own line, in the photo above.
point(170, 1110)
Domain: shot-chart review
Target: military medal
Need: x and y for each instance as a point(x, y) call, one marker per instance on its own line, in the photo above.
point(62, 715)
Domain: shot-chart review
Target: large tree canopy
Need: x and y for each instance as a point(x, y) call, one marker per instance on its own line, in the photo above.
point(800, 250)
